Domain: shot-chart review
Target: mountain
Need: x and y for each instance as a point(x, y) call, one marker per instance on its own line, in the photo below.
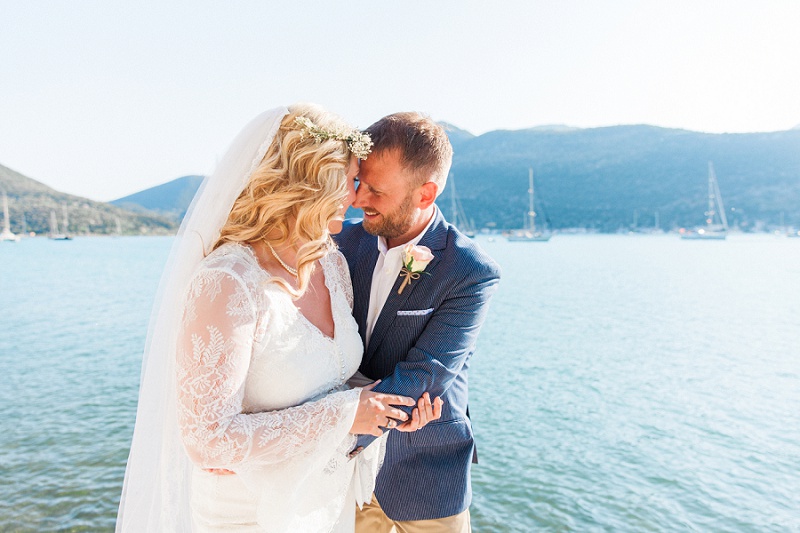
point(456, 135)
point(30, 204)
point(597, 178)
point(170, 199)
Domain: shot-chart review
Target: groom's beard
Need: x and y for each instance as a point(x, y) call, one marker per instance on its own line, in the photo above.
point(393, 225)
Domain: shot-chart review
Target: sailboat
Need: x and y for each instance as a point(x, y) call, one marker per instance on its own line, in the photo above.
point(459, 219)
point(54, 233)
point(716, 227)
point(6, 235)
point(529, 233)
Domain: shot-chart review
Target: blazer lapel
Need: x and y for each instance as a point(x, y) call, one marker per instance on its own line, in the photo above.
point(435, 239)
point(365, 258)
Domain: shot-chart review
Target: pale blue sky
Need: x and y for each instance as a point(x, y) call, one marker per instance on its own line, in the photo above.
point(105, 98)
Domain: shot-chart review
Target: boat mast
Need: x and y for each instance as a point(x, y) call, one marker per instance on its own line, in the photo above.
point(531, 212)
point(6, 223)
point(66, 220)
point(53, 223)
point(713, 179)
point(710, 212)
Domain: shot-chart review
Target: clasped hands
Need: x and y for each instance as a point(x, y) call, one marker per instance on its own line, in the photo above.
point(377, 410)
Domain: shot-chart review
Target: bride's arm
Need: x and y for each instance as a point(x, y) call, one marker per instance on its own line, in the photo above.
point(215, 347)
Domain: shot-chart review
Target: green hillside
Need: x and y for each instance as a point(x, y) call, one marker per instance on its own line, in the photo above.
point(598, 178)
point(31, 203)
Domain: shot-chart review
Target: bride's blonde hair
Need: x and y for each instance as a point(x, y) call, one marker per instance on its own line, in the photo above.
point(301, 180)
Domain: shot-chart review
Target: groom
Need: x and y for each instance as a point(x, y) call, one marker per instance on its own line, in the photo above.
point(419, 324)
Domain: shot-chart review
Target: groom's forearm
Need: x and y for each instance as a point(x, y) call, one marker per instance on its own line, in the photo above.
point(448, 340)
point(440, 352)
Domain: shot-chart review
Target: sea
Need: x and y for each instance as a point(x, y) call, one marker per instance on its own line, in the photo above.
point(622, 383)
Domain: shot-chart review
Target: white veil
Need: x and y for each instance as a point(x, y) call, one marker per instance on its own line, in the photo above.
point(155, 494)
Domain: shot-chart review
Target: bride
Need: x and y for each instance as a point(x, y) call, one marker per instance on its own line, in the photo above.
point(245, 418)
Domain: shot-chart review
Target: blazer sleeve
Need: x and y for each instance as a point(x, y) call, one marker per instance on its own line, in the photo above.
point(446, 343)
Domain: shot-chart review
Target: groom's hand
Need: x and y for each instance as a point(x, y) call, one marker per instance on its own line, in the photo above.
point(375, 411)
point(424, 412)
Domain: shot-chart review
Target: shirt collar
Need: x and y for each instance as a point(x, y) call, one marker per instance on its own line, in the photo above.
point(383, 247)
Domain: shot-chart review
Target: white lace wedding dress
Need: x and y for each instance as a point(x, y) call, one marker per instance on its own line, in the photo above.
point(262, 392)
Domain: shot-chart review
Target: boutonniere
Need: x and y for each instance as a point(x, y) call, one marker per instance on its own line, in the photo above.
point(415, 259)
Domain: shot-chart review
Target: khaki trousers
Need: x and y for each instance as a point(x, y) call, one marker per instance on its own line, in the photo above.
point(372, 519)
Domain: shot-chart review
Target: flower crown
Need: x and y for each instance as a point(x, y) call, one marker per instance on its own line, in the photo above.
point(360, 143)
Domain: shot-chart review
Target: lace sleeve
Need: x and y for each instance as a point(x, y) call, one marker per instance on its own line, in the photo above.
point(214, 352)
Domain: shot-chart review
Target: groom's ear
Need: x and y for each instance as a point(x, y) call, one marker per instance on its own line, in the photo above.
point(427, 194)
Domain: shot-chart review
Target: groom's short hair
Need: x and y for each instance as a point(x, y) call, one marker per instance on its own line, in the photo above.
point(422, 144)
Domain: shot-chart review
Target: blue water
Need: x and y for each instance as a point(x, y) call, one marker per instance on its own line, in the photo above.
point(622, 383)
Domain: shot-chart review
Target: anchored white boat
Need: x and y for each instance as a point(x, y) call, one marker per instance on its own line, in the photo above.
point(6, 235)
point(716, 227)
point(528, 233)
point(54, 233)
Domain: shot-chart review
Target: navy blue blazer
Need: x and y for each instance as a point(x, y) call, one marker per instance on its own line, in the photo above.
point(423, 341)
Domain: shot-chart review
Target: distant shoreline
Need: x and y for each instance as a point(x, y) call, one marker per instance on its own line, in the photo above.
point(485, 233)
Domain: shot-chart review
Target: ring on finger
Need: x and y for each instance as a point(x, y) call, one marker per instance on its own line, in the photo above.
point(391, 423)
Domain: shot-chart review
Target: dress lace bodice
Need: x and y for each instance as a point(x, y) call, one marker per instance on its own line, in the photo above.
point(258, 384)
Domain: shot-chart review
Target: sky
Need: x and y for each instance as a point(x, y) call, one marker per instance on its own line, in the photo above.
point(106, 98)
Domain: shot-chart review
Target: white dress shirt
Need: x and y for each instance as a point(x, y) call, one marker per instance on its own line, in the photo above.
point(387, 270)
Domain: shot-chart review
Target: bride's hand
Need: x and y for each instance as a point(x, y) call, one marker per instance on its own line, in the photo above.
point(375, 411)
point(424, 412)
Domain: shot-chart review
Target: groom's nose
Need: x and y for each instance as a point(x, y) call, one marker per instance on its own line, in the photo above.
point(361, 195)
